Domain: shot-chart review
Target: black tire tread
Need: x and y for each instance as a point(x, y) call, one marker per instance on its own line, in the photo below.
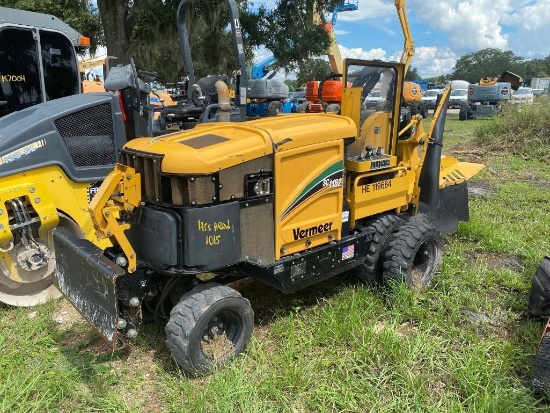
point(540, 377)
point(184, 317)
point(371, 268)
point(274, 108)
point(539, 295)
point(402, 248)
point(463, 113)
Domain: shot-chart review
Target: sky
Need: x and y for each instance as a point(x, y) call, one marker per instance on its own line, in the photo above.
point(442, 30)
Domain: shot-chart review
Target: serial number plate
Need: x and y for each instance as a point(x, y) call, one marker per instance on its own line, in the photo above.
point(377, 186)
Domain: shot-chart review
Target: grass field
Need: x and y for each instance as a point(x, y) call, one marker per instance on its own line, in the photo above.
point(465, 345)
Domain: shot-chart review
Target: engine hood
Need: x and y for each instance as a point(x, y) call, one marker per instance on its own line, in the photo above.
point(209, 148)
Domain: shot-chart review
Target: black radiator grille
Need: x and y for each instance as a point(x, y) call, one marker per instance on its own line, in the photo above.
point(148, 165)
point(88, 135)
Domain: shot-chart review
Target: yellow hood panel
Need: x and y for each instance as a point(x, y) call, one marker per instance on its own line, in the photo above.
point(298, 130)
point(211, 147)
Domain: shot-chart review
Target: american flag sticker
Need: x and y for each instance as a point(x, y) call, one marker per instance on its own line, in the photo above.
point(348, 252)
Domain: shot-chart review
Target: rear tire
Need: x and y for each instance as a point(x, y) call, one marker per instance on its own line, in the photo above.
point(414, 255)
point(383, 227)
point(209, 326)
point(302, 107)
point(540, 378)
point(274, 108)
point(463, 113)
point(333, 108)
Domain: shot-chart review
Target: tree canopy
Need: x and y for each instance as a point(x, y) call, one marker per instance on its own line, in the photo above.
point(485, 63)
point(492, 62)
point(290, 30)
point(146, 30)
point(412, 74)
point(313, 69)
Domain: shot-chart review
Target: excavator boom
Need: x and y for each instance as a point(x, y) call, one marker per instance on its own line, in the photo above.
point(408, 47)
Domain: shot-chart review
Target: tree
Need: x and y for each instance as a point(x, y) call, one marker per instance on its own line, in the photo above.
point(292, 84)
point(313, 69)
point(412, 74)
point(290, 30)
point(119, 20)
point(440, 80)
point(535, 68)
point(486, 63)
point(146, 30)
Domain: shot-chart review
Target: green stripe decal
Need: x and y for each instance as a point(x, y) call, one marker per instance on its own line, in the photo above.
point(315, 186)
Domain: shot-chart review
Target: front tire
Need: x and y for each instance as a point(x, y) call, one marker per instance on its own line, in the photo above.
point(414, 255)
point(302, 107)
point(209, 326)
point(424, 111)
point(383, 227)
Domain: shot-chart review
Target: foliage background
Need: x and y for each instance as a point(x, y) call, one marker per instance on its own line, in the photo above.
point(146, 31)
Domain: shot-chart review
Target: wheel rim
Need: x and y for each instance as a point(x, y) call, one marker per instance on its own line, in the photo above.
point(28, 294)
point(220, 335)
point(422, 269)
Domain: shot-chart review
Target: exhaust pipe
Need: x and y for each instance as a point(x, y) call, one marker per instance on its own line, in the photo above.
point(447, 207)
point(224, 102)
point(429, 177)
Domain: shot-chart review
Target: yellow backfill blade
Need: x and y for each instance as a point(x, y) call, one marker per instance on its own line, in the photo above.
point(453, 172)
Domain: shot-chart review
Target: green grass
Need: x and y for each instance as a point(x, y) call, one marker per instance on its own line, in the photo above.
point(522, 130)
point(465, 345)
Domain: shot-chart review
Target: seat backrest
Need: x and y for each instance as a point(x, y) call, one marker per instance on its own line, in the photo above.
point(208, 87)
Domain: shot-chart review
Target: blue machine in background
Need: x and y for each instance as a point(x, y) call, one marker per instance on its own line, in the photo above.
point(263, 69)
point(344, 6)
point(268, 96)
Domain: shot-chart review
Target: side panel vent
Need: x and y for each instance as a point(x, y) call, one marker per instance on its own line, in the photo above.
point(89, 136)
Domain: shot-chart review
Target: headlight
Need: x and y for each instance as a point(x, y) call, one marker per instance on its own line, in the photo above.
point(263, 187)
